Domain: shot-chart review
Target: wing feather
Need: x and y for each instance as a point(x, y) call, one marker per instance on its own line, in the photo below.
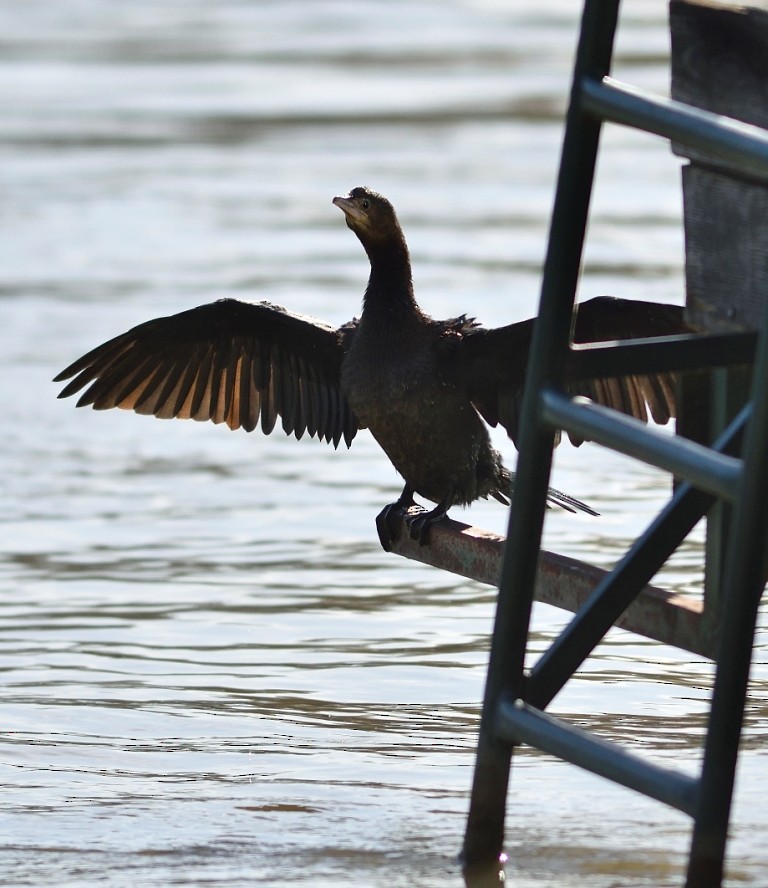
point(492, 362)
point(169, 393)
point(228, 362)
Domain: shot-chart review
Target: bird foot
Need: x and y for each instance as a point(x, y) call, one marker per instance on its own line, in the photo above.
point(420, 523)
point(418, 526)
point(389, 523)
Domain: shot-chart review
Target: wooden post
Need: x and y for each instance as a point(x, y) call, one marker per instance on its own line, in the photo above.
point(720, 64)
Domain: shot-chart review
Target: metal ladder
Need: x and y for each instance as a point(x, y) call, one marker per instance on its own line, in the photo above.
point(733, 470)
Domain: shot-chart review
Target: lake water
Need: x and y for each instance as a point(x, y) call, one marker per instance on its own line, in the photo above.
point(212, 674)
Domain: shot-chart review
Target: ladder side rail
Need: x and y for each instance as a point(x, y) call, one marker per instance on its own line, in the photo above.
point(484, 834)
point(743, 586)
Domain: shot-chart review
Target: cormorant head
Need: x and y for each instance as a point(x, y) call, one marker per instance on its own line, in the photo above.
point(370, 215)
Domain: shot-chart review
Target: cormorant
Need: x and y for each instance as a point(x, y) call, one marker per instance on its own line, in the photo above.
point(423, 387)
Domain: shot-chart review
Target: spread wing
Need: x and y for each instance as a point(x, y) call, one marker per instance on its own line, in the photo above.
point(605, 318)
point(228, 361)
point(493, 362)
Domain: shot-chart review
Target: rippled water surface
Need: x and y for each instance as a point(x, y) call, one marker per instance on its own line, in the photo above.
point(212, 674)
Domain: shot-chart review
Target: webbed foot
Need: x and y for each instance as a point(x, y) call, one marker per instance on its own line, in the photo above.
point(420, 524)
point(389, 519)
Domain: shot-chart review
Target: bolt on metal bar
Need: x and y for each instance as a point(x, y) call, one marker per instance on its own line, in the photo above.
point(519, 722)
point(741, 147)
point(707, 470)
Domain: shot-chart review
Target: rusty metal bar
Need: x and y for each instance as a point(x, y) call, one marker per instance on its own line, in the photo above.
point(561, 581)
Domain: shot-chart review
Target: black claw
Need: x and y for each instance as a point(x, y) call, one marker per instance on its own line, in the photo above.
point(389, 525)
point(389, 522)
point(420, 524)
point(418, 529)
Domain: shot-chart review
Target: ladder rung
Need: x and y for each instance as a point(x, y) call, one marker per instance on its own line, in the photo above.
point(517, 722)
point(742, 147)
point(703, 467)
point(689, 351)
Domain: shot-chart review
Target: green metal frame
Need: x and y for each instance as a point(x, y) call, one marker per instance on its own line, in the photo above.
point(734, 469)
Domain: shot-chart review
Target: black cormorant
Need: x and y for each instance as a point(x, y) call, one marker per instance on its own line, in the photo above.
point(422, 387)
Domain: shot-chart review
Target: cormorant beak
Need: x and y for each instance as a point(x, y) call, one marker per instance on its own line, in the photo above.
point(350, 209)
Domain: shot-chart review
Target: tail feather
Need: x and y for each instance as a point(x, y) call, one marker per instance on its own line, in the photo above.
point(554, 497)
point(569, 503)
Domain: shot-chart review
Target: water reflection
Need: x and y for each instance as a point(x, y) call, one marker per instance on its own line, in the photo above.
point(485, 876)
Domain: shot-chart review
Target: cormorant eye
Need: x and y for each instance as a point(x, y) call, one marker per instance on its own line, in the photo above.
point(366, 203)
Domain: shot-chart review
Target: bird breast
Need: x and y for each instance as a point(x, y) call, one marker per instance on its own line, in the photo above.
point(423, 422)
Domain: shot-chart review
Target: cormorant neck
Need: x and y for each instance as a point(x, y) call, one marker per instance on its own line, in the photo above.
point(390, 286)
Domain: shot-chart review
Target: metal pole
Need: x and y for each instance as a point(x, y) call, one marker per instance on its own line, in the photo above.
point(485, 824)
point(743, 584)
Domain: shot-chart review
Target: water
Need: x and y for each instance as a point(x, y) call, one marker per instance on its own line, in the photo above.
point(212, 673)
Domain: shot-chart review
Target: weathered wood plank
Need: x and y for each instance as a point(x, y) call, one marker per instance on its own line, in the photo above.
point(726, 261)
point(719, 60)
point(720, 64)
